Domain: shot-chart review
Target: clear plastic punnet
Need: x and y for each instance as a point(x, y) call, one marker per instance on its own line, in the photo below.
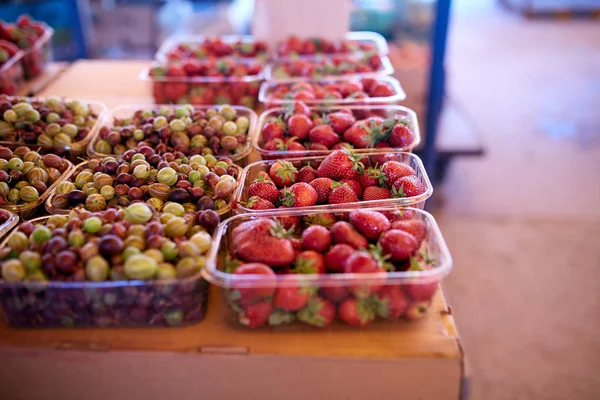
point(290, 297)
point(37, 57)
point(12, 76)
point(10, 223)
point(354, 42)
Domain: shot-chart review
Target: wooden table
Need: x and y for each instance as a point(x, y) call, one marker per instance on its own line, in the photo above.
point(214, 359)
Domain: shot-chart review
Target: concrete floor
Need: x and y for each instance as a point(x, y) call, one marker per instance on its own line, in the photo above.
point(523, 223)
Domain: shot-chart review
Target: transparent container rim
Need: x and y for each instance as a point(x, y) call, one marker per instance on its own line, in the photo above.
point(145, 76)
point(11, 63)
point(86, 284)
point(411, 114)
point(399, 201)
point(359, 36)
point(9, 224)
point(174, 40)
point(108, 118)
point(42, 40)
point(227, 280)
point(387, 69)
point(399, 93)
point(63, 211)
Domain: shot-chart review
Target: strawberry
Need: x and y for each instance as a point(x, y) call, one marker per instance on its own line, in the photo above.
point(310, 262)
point(256, 314)
point(323, 188)
point(400, 136)
point(369, 223)
point(368, 83)
point(408, 186)
point(399, 245)
point(300, 194)
point(381, 89)
point(343, 232)
point(399, 214)
point(335, 258)
point(340, 164)
point(317, 238)
point(283, 173)
point(304, 95)
point(342, 146)
point(326, 219)
point(264, 189)
point(289, 222)
point(301, 108)
point(293, 145)
point(420, 291)
point(395, 170)
point(415, 227)
point(299, 125)
point(350, 87)
point(291, 298)
point(307, 174)
point(247, 229)
point(334, 293)
point(272, 130)
point(318, 312)
point(342, 194)
point(258, 203)
point(318, 147)
point(376, 193)
point(270, 247)
point(391, 302)
point(356, 312)
point(417, 310)
point(359, 135)
point(324, 135)
point(340, 121)
point(361, 262)
point(372, 177)
point(245, 295)
point(354, 185)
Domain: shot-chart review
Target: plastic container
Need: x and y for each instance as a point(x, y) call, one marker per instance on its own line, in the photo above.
point(52, 209)
point(196, 41)
point(322, 67)
point(37, 57)
point(270, 92)
point(353, 41)
point(373, 158)
point(205, 90)
point(361, 112)
point(409, 291)
point(28, 210)
point(55, 304)
point(10, 223)
point(12, 76)
point(128, 111)
point(75, 150)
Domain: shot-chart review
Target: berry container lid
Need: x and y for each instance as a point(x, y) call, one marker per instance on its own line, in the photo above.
point(356, 37)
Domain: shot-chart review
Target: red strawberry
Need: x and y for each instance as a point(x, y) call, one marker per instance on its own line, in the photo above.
point(334, 293)
point(368, 83)
point(400, 136)
point(317, 238)
point(391, 302)
point(258, 203)
point(399, 214)
point(359, 135)
point(369, 223)
point(301, 108)
point(272, 130)
point(318, 147)
point(340, 121)
point(381, 89)
point(304, 95)
point(283, 173)
point(324, 219)
point(354, 185)
point(289, 222)
point(361, 262)
point(342, 194)
point(356, 312)
point(395, 170)
point(291, 298)
point(336, 257)
point(399, 245)
point(324, 135)
point(342, 146)
point(350, 87)
point(310, 262)
point(340, 164)
point(263, 188)
point(343, 232)
point(256, 314)
point(415, 227)
point(421, 291)
point(372, 177)
point(299, 125)
point(293, 145)
point(270, 247)
point(300, 194)
point(244, 295)
point(307, 174)
point(417, 310)
point(376, 193)
point(323, 188)
point(318, 312)
point(408, 186)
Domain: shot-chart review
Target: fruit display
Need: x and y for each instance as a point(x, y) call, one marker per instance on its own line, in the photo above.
point(27, 178)
point(312, 268)
point(178, 184)
point(354, 42)
point(342, 177)
point(128, 267)
point(297, 130)
point(177, 48)
point(186, 130)
point(380, 90)
point(33, 38)
point(12, 76)
point(205, 82)
point(51, 125)
point(8, 221)
point(318, 67)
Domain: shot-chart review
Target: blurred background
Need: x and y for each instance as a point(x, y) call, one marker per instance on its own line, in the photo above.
point(509, 93)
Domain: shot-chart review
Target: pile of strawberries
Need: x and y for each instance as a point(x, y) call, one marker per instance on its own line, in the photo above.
point(24, 34)
point(368, 242)
point(355, 90)
point(298, 128)
point(293, 45)
point(217, 48)
point(340, 178)
point(11, 77)
point(332, 66)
